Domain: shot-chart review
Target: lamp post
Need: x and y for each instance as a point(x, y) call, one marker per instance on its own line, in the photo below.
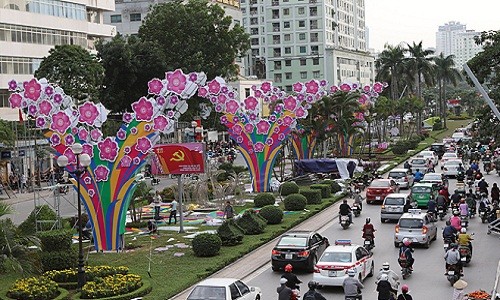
point(82, 162)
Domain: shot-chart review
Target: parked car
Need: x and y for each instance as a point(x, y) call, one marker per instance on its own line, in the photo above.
point(422, 193)
point(379, 188)
point(427, 154)
point(436, 179)
point(450, 167)
point(403, 177)
point(447, 156)
point(332, 267)
point(418, 163)
point(224, 289)
point(419, 227)
point(438, 148)
point(392, 207)
point(301, 249)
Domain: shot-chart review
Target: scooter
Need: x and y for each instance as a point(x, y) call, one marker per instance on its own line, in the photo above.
point(356, 210)
point(344, 222)
point(453, 274)
point(464, 221)
point(447, 242)
point(405, 270)
point(484, 213)
point(465, 254)
point(368, 244)
point(441, 212)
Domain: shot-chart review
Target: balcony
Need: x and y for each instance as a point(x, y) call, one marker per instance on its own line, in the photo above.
point(275, 3)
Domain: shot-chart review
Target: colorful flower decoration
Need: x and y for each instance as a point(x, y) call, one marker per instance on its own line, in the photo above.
point(88, 113)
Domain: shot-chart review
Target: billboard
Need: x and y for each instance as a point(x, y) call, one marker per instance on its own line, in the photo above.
point(175, 159)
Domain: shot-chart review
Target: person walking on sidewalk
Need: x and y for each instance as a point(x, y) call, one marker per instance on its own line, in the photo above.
point(173, 212)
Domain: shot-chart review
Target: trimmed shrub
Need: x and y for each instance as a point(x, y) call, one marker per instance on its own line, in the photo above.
point(400, 148)
point(336, 187)
point(110, 286)
point(91, 272)
point(264, 199)
point(325, 189)
point(55, 240)
point(313, 196)
point(230, 233)
point(288, 188)
point(273, 214)
point(206, 244)
point(252, 223)
point(41, 213)
point(295, 202)
point(59, 260)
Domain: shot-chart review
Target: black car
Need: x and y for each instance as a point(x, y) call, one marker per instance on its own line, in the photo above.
point(438, 148)
point(301, 249)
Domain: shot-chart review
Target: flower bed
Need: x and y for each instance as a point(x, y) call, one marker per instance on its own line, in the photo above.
point(110, 286)
point(39, 288)
point(71, 275)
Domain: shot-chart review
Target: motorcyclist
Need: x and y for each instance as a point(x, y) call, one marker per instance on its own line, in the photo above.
point(352, 286)
point(384, 289)
point(444, 192)
point(284, 292)
point(455, 221)
point(455, 198)
point(418, 175)
point(479, 175)
point(292, 280)
point(471, 201)
point(393, 277)
point(358, 199)
point(483, 186)
point(345, 210)
point(465, 239)
point(312, 293)
point(431, 208)
point(407, 206)
point(441, 201)
point(406, 252)
point(369, 231)
point(470, 174)
point(407, 165)
point(449, 232)
point(474, 166)
point(452, 258)
point(463, 208)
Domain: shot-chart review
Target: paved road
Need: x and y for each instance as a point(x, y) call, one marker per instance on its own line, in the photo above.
point(428, 279)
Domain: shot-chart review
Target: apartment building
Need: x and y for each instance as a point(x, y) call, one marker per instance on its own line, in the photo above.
point(453, 38)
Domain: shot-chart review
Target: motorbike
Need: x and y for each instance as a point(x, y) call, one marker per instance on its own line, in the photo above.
point(447, 242)
point(344, 222)
point(368, 244)
point(356, 210)
point(465, 254)
point(484, 213)
point(441, 212)
point(464, 221)
point(453, 274)
point(405, 270)
point(487, 166)
point(470, 183)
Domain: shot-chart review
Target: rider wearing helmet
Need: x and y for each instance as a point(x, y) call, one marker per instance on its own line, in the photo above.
point(284, 292)
point(352, 286)
point(384, 288)
point(404, 293)
point(449, 232)
point(483, 186)
point(292, 279)
point(406, 253)
point(452, 258)
point(455, 221)
point(464, 239)
point(369, 232)
point(345, 210)
point(312, 294)
point(463, 208)
point(393, 277)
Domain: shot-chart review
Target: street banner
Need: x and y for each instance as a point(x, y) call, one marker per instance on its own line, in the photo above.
point(176, 159)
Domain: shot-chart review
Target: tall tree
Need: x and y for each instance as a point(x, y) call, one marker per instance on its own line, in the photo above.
point(196, 36)
point(445, 73)
point(75, 70)
point(390, 66)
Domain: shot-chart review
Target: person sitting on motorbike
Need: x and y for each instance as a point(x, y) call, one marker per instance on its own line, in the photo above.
point(452, 258)
point(478, 175)
point(464, 239)
point(495, 193)
point(284, 292)
point(441, 201)
point(483, 186)
point(470, 174)
point(418, 176)
point(455, 199)
point(455, 221)
point(405, 293)
point(407, 165)
point(352, 286)
point(292, 280)
point(313, 293)
point(345, 210)
point(358, 199)
point(393, 277)
point(407, 206)
point(369, 232)
point(431, 208)
point(406, 253)
point(471, 202)
point(444, 191)
point(449, 232)
point(384, 288)
point(474, 166)
point(463, 208)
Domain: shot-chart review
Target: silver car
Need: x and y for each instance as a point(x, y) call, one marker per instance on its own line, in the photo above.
point(416, 225)
point(392, 207)
point(403, 177)
point(418, 163)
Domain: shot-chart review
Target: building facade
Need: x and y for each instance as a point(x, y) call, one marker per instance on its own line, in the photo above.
point(297, 40)
point(30, 28)
point(453, 38)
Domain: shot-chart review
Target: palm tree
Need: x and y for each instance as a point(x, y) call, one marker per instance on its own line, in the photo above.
point(389, 67)
point(445, 73)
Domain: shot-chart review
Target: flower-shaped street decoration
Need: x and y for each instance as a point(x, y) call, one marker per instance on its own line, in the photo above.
point(260, 138)
point(109, 182)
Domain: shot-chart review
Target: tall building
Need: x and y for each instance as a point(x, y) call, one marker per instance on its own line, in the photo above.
point(30, 28)
point(453, 38)
point(297, 40)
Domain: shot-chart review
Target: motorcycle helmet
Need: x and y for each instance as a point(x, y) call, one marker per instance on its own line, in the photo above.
point(283, 280)
point(288, 268)
point(368, 220)
point(345, 201)
point(404, 288)
point(406, 242)
point(454, 246)
point(312, 284)
point(456, 213)
point(463, 230)
point(385, 266)
point(351, 273)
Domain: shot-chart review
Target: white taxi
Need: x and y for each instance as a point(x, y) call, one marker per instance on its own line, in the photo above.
point(332, 267)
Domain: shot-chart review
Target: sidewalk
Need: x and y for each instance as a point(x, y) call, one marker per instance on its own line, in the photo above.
point(261, 256)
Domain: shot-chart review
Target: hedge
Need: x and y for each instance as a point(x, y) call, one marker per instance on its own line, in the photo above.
point(264, 199)
point(295, 202)
point(252, 223)
point(55, 240)
point(40, 213)
point(206, 244)
point(325, 189)
point(59, 260)
point(288, 188)
point(230, 233)
point(313, 196)
point(273, 214)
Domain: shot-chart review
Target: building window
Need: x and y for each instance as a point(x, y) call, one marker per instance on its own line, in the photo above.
point(288, 50)
point(315, 61)
point(276, 39)
point(303, 62)
point(277, 65)
point(136, 17)
point(302, 49)
point(313, 11)
point(302, 36)
point(276, 27)
point(314, 37)
point(254, 30)
point(277, 78)
point(254, 41)
point(254, 21)
point(276, 14)
point(288, 75)
point(277, 52)
point(286, 11)
point(313, 24)
point(315, 74)
point(288, 88)
point(303, 75)
point(116, 18)
point(314, 49)
point(302, 23)
point(288, 62)
point(301, 10)
point(286, 24)
point(286, 37)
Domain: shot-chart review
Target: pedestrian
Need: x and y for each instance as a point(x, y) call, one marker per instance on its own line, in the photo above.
point(228, 210)
point(284, 292)
point(405, 293)
point(458, 290)
point(24, 180)
point(495, 193)
point(157, 203)
point(173, 212)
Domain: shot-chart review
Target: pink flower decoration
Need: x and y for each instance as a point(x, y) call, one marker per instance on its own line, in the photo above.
point(251, 103)
point(155, 86)
point(74, 130)
point(143, 145)
point(345, 87)
point(263, 127)
point(232, 106)
point(127, 117)
point(108, 149)
point(127, 150)
point(133, 130)
point(266, 87)
point(223, 119)
point(143, 109)
point(70, 155)
point(312, 87)
point(55, 139)
point(121, 134)
point(193, 77)
point(161, 101)
point(290, 103)
point(300, 112)
point(32, 110)
point(15, 100)
point(44, 107)
point(176, 81)
point(239, 139)
point(49, 90)
point(297, 87)
point(258, 147)
point(174, 100)
point(269, 141)
point(60, 122)
point(281, 137)
point(160, 123)
point(88, 113)
point(91, 192)
point(95, 134)
point(334, 89)
point(214, 87)
point(248, 128)
point(83, 134)
point(126, 161)
point(58, 98)
point(87, 179)
point(136, 160)
point(41, 122)
point(69, 140)
point(89, 149)
point(363, 99)
point(378, 87)
point(221, 99)
point(287, 121)
point(202, 92)
point(276, 129)
point(12, 85)
point(257, 93)
point(237, 129)
point(32, 89)
point(101, 173)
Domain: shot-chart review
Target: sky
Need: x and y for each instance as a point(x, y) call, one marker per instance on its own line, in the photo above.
point(395, 21)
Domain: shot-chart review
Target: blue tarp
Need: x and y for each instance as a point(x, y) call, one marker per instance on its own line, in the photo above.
point(305, 166)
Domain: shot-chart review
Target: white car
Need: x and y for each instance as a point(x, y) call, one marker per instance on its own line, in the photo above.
point(449, 156)
point(418, 163)
point(430, 155)
point(331, 269)
point(224, 289)
point(457, 136)
point(450, 167)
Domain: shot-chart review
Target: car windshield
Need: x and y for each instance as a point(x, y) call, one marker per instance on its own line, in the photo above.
point(380, 183)
point(418, 162)
point(293, 241)
point(208, 292)
point(397, 174)
point(341, 257)
point(411, 223)
point(449, 155)
point(433, 177)
point(394, 201)
point(427, 153)
point(421, 189)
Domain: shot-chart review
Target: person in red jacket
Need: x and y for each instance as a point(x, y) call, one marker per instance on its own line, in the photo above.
point(369, 231)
